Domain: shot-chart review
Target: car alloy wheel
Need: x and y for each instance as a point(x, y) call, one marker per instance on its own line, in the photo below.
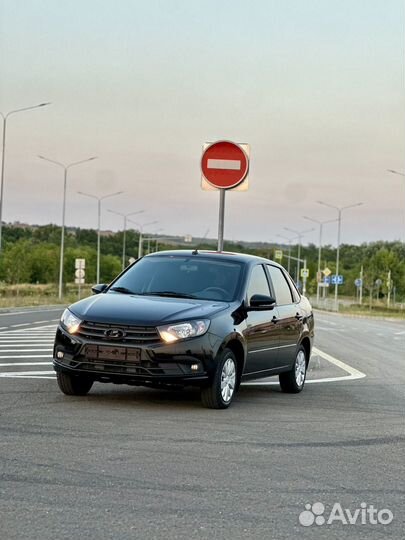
point(293, 381)
point(220, 391)
point(228, 380)
point(300, 368)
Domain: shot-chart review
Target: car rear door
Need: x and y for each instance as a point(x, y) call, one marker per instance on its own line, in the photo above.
point(261, 333)
point(289, 322)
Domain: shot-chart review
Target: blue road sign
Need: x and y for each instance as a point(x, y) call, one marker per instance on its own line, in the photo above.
point(326, 279)
point(358, 282)
point(337, 279)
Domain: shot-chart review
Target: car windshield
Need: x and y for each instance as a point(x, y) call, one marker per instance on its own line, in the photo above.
point(182, 277)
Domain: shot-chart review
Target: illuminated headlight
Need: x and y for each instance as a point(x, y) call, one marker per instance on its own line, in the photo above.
point(70, 321)
point(184, 330)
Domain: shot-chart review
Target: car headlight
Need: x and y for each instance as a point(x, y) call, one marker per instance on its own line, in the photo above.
point(70, 321)
point(184, 330)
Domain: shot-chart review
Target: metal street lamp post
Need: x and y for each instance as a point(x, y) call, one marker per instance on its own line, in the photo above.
point(321, 224)
point(289, 248)
point(141, 227)
point(339, 220)
point(398, 173)
point(3, 156)
point(299, 235)
point(99, 199)
point(124, 243)
point(62, 240)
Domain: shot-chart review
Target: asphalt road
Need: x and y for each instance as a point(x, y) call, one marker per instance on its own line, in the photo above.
point(129, 463)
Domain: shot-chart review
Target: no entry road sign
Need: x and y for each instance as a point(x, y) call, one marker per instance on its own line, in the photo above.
point(224, 164)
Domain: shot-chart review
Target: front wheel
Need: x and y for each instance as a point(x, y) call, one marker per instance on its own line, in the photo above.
point(293, 381)
point(220, 393)
point(73, 385)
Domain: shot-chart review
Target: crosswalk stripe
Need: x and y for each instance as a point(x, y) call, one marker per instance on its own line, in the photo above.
point(12, 364)
point(26, 350)
point(27, 356)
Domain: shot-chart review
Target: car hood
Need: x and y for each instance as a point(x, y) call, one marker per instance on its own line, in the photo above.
point(117, 308)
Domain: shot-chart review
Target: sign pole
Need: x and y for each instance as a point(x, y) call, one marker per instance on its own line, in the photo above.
point(221, 219)
point(224, 165)
point(361, 286)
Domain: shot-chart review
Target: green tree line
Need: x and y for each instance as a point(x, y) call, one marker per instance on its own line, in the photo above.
point(31, 255)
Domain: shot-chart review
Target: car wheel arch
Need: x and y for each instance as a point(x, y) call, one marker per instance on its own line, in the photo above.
point(238, 347)
point(306, 343)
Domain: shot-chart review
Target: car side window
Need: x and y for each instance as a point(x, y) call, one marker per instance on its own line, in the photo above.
point(294, 290)
point(281, 288)
point(258, 283)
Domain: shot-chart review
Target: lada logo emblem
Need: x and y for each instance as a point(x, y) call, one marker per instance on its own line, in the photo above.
point(115, 333)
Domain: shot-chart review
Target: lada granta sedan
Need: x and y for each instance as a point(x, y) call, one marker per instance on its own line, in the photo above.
point(179, 318)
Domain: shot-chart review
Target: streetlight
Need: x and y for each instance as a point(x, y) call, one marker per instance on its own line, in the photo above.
point(155, 233)
point(125, 216)
point(3, 159)
point(339, 220)
point(141, 226)
point(396, 172)
point(321, 224)
point(299, 234)
point(99, 199)
point(289, 248)
point(62, 240)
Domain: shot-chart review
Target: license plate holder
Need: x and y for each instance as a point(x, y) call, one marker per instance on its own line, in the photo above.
point(111, 353)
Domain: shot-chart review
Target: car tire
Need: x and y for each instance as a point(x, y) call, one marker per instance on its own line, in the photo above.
point(220, 393)
point(73, 385)
point(293, 381)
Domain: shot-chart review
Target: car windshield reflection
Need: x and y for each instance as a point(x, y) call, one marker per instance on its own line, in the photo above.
point(181, 277)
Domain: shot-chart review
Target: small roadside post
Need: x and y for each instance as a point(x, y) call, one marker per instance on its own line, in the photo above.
point(224, 166)
point(304, 275)
point(80, 273)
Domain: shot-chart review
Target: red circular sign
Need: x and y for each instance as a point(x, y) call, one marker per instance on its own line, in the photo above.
point(224, 164)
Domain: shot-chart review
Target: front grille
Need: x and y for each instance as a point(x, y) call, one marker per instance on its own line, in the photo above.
point(134, 335)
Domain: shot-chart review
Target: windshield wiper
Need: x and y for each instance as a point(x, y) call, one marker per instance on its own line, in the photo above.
point(122, 290)
point(170, 294)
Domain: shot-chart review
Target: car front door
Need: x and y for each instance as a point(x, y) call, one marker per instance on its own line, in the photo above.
point(289, 316)
point(261, 333)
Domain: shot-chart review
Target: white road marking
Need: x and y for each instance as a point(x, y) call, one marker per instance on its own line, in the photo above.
point(399, 333)
point(24, 341)
point(27, 374)
point(18, 325)
point(24, 350)
point(353, 372)
point(12, 364)
point(27, 356)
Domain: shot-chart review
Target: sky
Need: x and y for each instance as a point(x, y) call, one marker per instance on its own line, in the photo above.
point(315, 87)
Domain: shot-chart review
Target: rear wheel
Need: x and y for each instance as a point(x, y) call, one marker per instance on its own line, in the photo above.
point(73, 385)
point(293, 381)
point(220, 393)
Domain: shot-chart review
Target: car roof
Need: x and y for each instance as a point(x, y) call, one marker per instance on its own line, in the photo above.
point(215, 255)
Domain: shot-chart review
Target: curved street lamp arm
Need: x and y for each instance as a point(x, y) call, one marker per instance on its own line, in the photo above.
point(53, 161)
point(81, 161)
point(24, 109)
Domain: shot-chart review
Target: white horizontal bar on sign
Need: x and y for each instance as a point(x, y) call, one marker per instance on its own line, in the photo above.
point(230, 164)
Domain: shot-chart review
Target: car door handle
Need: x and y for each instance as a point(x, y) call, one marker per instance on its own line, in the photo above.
point(274, 320)
point(299, 317)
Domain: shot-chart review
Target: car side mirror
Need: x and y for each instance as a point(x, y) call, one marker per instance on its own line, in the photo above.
point(261, 302)
point(97, 289)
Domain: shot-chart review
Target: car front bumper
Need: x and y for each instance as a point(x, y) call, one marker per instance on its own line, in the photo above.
point(185, 362)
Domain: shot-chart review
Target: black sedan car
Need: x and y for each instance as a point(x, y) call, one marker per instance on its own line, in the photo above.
point(180, 318)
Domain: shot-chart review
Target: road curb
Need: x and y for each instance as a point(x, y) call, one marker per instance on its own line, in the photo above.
point(32, 308)
point(359, 316)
